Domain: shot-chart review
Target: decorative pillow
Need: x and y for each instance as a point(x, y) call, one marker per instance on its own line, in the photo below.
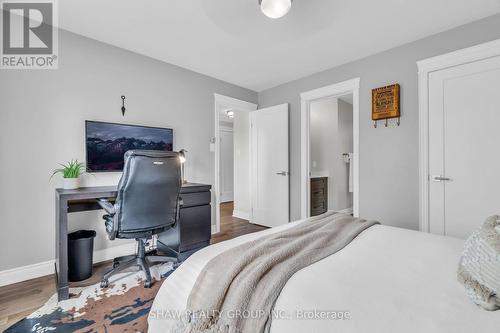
point(479, 267)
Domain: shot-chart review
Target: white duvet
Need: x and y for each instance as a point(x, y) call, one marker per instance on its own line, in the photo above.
point(387, 280)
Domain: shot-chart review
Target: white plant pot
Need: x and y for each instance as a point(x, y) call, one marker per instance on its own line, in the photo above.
point(71, 183)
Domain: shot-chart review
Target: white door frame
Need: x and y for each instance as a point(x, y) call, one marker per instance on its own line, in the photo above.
point(232, 103)
point(306, 98)
point(425, 68)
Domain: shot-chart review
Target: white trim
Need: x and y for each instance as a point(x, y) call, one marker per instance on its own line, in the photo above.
point(460, 57)
point(28, 272)
point(45, 268)
point(425, 68)
point(234, 104)
point(334, 90)
point(241, 215)
point(423, 151)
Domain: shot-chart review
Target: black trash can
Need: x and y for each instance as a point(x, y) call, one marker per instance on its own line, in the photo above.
point(80, 251)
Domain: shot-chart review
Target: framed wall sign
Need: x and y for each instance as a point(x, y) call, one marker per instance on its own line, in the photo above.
point(385, 103)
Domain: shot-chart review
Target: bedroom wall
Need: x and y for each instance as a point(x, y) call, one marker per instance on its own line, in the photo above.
point(388, 156)
point(42, 116)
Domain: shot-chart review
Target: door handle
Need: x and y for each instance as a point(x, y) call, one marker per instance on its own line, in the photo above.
point(440, 179)
point(282, 173)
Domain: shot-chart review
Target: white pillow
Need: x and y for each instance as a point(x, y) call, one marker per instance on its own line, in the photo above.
point(479, 267)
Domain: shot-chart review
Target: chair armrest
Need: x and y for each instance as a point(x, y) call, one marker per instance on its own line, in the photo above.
point(107, 206)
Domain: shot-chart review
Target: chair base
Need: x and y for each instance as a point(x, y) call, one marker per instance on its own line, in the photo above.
point(140, 259)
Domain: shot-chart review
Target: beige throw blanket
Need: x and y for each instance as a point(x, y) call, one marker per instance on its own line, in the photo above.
point(250, 277)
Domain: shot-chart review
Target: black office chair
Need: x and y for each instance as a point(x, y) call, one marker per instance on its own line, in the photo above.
point(147, 203)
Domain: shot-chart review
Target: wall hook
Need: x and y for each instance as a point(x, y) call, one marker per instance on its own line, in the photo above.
point(399, 121)
point(386, 122)
point(375, 124)
point(123, 106)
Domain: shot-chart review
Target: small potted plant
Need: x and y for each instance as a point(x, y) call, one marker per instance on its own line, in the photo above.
point(71, 173)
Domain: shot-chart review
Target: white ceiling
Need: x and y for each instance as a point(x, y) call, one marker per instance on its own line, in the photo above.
point(232, 41)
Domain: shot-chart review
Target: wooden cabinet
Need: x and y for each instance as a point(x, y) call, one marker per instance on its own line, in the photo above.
point(319, 195)
point(193, 230)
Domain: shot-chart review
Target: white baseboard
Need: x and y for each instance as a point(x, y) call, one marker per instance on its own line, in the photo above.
point(33, 271)
point(24, 273)
point(241, 215)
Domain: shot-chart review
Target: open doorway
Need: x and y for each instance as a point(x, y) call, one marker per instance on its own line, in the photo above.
point(331, 151)
point(232, 163)
point(257, 194)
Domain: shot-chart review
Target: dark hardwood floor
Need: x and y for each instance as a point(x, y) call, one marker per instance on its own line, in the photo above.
point(232, 227)
point(21, 299)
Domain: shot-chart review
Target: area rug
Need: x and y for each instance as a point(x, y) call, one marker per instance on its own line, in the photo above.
point(121, 307)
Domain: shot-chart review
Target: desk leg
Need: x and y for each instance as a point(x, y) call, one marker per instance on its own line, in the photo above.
point(62, 248)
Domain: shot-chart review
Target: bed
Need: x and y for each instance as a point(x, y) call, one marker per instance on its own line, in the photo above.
point(386, 280)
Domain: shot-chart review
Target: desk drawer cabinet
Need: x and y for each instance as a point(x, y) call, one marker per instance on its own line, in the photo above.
point(197, 232)
point(319, 195)
point(193, 230)
point(195, 199)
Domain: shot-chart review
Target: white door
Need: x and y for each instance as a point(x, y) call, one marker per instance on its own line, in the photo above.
point(226, 165)
point(269, 166)
point(464, 139)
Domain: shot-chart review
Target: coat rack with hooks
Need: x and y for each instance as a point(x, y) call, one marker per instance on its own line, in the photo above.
point(386, 104)
point(386, 123)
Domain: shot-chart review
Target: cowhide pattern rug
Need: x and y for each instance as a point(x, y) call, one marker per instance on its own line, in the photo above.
point(121, 307)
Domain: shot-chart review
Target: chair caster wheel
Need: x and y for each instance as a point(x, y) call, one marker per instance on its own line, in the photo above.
point(147, 284)
point(104, 284)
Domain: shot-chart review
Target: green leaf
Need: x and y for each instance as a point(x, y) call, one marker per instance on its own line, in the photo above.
point(73, 169)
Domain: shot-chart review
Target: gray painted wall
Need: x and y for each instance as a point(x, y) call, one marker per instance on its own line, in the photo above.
point(388, 156)
point(42, 116)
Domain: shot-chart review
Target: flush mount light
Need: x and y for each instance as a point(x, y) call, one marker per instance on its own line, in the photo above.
point(230, 113)
point(275, 8)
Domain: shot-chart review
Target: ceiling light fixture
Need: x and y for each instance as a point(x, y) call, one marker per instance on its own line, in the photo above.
point(230, 113)
point(275, 8)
